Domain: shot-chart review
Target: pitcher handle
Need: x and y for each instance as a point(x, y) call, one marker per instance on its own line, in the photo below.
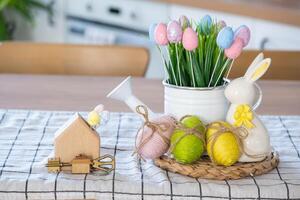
point(259, 100)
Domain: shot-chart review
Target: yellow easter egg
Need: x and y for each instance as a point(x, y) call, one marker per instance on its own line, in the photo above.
point(93, 118)
point(225, 150)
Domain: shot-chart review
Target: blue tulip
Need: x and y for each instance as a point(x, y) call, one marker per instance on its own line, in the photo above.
point(205, 24)
point(151, 32)
point(225, 38)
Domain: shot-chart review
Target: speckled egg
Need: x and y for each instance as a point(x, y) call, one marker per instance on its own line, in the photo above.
point(174, 32)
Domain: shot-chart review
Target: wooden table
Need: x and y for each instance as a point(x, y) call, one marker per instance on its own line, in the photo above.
point(82, 93)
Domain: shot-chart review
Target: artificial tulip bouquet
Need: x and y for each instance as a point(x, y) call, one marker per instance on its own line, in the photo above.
point(201, 55)
point(198, 54)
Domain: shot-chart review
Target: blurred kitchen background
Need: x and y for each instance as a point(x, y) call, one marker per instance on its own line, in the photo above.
point(275, 24)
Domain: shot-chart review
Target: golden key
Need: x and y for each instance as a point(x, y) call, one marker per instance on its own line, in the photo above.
point(99, 164)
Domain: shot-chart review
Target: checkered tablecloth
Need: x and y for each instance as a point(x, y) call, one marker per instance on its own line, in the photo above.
point(26, 139)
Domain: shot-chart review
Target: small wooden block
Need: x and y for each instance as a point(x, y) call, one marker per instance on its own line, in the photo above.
point(81, 165)
point(53, 165)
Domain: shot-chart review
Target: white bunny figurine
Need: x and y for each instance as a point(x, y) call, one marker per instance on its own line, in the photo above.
point(242, 93)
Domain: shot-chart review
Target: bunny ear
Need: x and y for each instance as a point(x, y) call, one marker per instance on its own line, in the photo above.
point(255, 62)
point(259, 70)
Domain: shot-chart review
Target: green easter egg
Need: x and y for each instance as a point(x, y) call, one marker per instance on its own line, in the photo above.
point(187, 150)
point(193, 121)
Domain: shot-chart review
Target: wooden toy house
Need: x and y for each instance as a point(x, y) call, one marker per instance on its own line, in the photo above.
point(76, 138)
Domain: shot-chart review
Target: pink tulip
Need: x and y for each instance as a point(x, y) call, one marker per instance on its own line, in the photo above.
point(174, 32)
point(190, 39)
point(160, 34)
point(235, 50)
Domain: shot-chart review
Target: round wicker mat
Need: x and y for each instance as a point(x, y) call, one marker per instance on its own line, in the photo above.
point(207, 170)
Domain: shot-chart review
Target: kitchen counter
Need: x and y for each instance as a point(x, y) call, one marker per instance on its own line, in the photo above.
point(282, 11)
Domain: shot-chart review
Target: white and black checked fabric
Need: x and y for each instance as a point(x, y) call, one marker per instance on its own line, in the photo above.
point(26, 139)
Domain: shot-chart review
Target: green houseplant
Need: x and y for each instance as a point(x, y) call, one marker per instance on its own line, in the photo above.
point(21, 7)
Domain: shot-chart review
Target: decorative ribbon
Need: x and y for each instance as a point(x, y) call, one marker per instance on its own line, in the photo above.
point(243, 116)
point(240, 133)
point(156, 128)
point(188, 131)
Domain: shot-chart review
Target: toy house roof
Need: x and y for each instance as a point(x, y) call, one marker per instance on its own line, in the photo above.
point(76, 118)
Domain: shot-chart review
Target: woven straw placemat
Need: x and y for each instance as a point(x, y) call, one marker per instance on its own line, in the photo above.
point(207, 170)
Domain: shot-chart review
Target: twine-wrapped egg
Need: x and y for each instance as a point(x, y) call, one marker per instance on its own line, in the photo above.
point(188, 148)
point(153, 138)
point(224, 149)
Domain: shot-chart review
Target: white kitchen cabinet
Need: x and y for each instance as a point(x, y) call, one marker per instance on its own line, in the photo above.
point(264, 34)
point(130, 13)
point(276, 36)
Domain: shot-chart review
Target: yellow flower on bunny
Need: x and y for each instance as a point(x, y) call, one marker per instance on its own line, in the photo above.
point(243, 116)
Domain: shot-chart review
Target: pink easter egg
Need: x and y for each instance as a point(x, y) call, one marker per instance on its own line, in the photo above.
point(190, 39)
point(235, 50)
point(174, 32)
point(156, 146)
point(160, 34)
point(244, 33)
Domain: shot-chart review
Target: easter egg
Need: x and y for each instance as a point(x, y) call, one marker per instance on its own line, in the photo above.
point(192, 122)
point(160, 34)
point(221, 24)
point(187, 150)
point(225, 38)
point(243, 32)
point(174, 32)
point(190, 148)
point(226, 150)
point(235, 49)
point(155, 146)
point(93, 118)
point(151, 31)
point(205, 24)
point(190, 39)
point(184, 22)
